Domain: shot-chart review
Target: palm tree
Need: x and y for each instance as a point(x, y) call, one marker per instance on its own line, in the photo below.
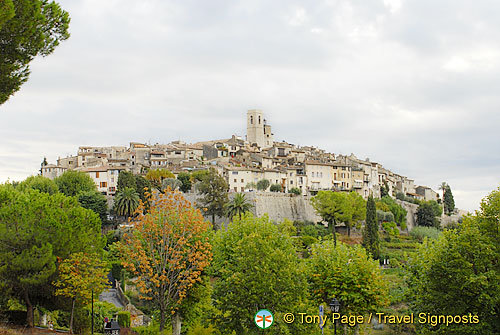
point(126, 201)
point(237, 206)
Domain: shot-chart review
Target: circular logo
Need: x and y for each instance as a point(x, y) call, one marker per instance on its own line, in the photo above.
point(263, 319)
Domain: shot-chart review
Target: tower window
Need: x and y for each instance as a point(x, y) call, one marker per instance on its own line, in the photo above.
point(251, 119)
point(259, 119)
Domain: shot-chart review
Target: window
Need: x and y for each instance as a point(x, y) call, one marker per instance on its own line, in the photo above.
point(236, 180)
point(234, 172)
point(259, 119)
point(97, 174)
point(251, 119)
point(291, 182)
point(242, 189)
point(112, 180)
point(242, 181)
point(103, 184)
point(291, 174)
point(236, 189)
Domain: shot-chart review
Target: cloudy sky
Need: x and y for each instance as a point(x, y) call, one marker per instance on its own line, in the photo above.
point(412, 84)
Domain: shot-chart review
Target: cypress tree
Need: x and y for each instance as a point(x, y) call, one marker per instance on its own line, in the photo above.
point(449, 202)
point(370, 233)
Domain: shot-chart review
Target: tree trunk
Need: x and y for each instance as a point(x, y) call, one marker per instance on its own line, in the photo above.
point(334, 233)
point(213, 222)
point(71, 318)
point(176, 323)
point(162, 318)
point(29, 308)
point(349, 230)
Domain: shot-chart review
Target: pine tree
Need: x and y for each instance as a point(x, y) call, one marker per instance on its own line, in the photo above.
point(370, 233)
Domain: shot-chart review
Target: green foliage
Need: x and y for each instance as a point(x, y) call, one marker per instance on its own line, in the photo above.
point(126, 202)
point(348, 274)
point(256, 267)
point(199, 175)
point(449, 201)
point(35, 228)
point(334, 207)
point(384, 189)
point(459, 273)
point(102, 309)
point(40, 183)
point(156, 176)
point(185, 179)
point(384, 216)
point(199, 329)
point(141, 184)
point(251, 186)
point(72, 182)
point(27, 29)
point(397, 210)
point(426, 214)
point(371, 239)
point(420, 233)
point(263, 184)
point(173, 183)
point(96, 202)
point(275, 188)
point(214, 189)
point(295, 190)
point(238, 205)
point(124, 319)
point(391, 228)
point(126, 179)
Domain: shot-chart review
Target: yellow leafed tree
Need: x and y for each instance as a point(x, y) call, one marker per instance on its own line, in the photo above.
point(167, 250)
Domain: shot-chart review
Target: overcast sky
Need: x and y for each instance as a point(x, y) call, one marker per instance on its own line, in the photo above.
point(414, 85)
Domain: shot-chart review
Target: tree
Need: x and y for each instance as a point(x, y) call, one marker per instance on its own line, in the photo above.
point(214, 189)
point(156, 176)
point(275, 188)
point(142, 184)
point(96, 202)
point(35, 228)
point(459, 274)
point(126, 202)
point(449, 202)
point(295, 191)
point(334, 207)
point(371, 239)
point(126, 179)
point(443, 187)
point(167, 251)
point(185, 179)
point(237, 206)
point(40, 183)
point(251, 186)
point(348, 274)
point(397, 210)
point(171, 182)
point(79, 276)
point(255, 266)
point(384, 189)
point(263, 184)
point(426, 214)
point(73, 182)
point(27, 29)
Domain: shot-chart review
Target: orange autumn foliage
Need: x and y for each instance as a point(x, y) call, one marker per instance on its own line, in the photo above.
point(167, 249)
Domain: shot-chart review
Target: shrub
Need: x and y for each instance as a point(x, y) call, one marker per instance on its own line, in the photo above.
point(198, 329)
point(391, 228)
point(419, 233)
point(275, 188)
point(124, 319)
point(263, 184)
point(295, 191)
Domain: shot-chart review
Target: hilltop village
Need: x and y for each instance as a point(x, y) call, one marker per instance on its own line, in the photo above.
point(243, 163)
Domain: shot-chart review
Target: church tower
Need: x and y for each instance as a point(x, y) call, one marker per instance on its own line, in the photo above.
point(258, 131)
